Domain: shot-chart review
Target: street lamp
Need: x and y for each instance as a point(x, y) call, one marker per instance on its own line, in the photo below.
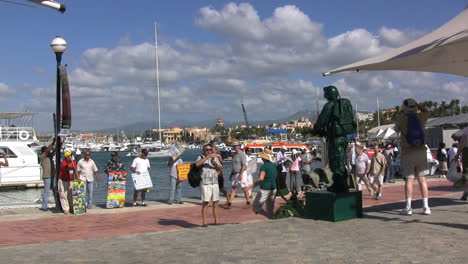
point(58, 45)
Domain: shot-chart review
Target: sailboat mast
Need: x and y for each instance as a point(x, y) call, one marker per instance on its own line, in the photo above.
point(157, 78)
point(378, 112)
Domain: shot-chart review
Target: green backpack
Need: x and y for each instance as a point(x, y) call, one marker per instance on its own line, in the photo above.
point(343, 118)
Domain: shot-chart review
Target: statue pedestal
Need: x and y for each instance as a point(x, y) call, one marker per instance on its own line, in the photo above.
point(330, 206)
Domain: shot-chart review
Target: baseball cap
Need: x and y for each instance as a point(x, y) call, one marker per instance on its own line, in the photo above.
point(67, 153)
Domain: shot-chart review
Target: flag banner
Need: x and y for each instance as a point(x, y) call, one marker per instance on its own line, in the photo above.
point(66, 104)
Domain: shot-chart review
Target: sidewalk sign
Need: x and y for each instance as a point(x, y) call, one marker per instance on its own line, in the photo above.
point(142, 181)
point(182, 171)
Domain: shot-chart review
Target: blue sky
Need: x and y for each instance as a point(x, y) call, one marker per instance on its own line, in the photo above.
point(214, 55)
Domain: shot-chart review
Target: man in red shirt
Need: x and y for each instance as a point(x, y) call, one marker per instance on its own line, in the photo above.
point(67, 174)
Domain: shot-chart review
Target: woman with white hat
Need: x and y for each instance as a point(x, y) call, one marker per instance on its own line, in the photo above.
point(268, 185)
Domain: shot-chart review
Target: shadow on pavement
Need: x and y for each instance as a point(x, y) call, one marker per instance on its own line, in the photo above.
point(393, 209)
point(174, 222)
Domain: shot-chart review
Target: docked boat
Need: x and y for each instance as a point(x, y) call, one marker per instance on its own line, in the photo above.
point(16, 141)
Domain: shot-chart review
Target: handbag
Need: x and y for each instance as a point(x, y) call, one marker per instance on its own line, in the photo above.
point(454, 173)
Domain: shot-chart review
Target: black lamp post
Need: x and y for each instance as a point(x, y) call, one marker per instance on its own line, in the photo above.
point(58, 45)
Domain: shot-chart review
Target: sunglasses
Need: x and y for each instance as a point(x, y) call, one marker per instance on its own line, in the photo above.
point(208, 149)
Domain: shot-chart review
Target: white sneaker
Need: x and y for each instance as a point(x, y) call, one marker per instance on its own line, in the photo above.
point(406, 211)
point(427, 211)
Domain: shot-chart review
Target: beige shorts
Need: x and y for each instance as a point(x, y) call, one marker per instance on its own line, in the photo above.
point(414, 163)
point(376, 179)
point(209, 192)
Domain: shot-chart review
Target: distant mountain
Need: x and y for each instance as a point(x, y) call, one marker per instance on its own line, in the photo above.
point(141, 126)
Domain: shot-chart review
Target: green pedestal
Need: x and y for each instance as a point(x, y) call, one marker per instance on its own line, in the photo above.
point(329, 206)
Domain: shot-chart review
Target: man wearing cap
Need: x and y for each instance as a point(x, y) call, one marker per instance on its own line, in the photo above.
point(413, 151)
point(239, 165)
point(139, 165)
point(87, 169)
point(67, 174)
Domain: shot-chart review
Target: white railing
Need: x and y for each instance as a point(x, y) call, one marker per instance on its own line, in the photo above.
point(17, 134)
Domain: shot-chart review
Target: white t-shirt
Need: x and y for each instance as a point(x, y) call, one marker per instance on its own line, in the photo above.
point(361, 163)
point(141, 165)
point(280, 156)
point(174, 168)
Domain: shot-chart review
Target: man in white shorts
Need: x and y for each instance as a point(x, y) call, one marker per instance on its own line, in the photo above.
point(377, 172)
point(209, 189)
point(239, 165)
point(413, 154)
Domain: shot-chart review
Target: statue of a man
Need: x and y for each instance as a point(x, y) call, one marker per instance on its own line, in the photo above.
point(335, 122)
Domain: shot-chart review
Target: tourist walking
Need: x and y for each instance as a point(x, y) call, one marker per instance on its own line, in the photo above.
point(268, 185)
point(239, 165)
point(87, 169)
point(175, 191)
point(67, 174)
point(390, 156)
point(295, 175)
point(442, 157)
point(282, 165)
point(306, 160)
point(411, 125)
point(209, 189)
point(462, 152)
point(452, 152)
point(140, 165)
point(47, 172)
point(362, 169)
point(377, 172)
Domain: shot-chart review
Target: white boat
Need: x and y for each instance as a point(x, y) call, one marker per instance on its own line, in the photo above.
point(24, 168)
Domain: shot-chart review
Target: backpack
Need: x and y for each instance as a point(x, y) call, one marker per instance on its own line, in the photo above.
point(194, 175)
point(415, 132)
point(343, 118)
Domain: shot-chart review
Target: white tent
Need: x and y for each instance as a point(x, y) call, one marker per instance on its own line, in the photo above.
point(444, 50)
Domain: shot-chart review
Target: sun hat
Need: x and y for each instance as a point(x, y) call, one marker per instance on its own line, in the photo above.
point(265, 156)
point(67, 153)
point(294, 152)
point(235, 143)
point(284, 147)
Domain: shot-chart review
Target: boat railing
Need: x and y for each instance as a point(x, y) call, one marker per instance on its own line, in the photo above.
point(19, 134)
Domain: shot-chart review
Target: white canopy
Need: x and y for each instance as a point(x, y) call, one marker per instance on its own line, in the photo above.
point(444, 50)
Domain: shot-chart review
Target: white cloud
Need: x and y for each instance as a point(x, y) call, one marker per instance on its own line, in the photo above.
point(271, 64)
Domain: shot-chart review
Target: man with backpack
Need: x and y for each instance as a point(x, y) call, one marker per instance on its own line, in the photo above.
point(411, 125)
point(209, 189)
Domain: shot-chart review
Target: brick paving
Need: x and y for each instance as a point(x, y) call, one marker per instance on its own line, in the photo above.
point(139, 234)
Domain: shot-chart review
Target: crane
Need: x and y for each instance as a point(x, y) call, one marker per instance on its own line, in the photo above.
point(245, 116)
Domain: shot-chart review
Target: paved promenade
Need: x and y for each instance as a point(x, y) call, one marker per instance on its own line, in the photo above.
point(132, 235)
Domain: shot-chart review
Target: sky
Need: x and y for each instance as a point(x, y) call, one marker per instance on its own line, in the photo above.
point(213, 56)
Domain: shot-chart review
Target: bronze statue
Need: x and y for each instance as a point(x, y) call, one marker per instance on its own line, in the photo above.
point(335, 122)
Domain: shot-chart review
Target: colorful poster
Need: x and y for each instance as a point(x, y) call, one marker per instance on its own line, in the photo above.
point(79, 197)
point(142, 181)
point(116, 189)
point(182, 171)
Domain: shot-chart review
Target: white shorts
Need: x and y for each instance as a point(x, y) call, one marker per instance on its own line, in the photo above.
point(378, 179)
point(209, 192)
point(247, 180)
